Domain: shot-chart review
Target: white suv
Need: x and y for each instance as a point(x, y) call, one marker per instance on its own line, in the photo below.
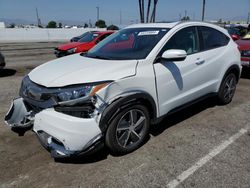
point(129, 81)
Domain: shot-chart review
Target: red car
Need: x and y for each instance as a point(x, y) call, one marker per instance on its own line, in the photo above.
point(234, 33)
point(244, 46)
point(83, 45)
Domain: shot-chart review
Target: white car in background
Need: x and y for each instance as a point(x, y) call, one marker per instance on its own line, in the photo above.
point(124, 85)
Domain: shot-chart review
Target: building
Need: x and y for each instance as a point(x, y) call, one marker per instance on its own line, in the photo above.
point(2, 25)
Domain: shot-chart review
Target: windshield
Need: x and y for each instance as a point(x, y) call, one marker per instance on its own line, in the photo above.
point(82, 35)
point(89, 37)
point(247, 36)
point(131, 43)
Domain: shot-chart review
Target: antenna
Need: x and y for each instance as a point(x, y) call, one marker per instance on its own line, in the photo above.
point(39, 24)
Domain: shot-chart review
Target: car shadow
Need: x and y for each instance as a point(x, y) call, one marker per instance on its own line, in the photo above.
point(155, 130)
point(182, 115)
point(7, 72)
point(175, 71)
point(245, 74)
point(99, 155)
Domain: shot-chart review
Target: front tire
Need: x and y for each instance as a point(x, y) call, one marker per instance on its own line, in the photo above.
point(227, 89)
point(128, 130)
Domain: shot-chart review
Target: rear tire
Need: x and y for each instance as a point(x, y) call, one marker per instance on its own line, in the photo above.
point(128, 130)
point(227, 89)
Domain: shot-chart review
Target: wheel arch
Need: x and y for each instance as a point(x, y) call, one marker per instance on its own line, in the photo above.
point(126, 100)
point(233, 69)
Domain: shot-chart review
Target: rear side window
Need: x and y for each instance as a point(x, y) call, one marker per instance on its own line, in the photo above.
point(212, 38)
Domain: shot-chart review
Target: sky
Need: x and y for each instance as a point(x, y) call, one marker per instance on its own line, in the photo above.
point(85, 10)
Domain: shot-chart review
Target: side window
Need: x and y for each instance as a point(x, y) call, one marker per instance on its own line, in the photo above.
point(103, 37)
point(212, 38)
point(185, 39)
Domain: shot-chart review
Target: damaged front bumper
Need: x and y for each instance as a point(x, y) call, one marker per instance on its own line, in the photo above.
point(19, 118)
point(63, 135)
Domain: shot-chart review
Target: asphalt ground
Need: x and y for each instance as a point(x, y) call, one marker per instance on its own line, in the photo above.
point(205, 145)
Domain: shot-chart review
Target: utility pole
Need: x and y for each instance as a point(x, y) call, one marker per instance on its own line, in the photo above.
point(203, 10)
point(98, 9)
point(248, 18)
point(39, 24)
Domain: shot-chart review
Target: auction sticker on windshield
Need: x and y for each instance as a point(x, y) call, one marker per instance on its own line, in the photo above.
point(148, 33)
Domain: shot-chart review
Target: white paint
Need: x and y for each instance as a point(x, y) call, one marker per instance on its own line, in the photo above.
point(41, 34)
point(184, 175)
point(75, 133)
point(76, 69)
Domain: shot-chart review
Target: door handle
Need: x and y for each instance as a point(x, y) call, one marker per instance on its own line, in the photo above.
point(199, 62)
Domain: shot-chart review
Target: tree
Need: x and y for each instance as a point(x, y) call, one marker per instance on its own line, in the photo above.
point(12, 25)
point(100, 24)
point(52, 24)
point(148, 10)
point(220, 21)
point(153, 12)
point(185, 18)
point(112, 27)
point(85, 25)
point(60, 25)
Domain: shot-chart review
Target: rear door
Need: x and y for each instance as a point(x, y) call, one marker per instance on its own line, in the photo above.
point(213, 49)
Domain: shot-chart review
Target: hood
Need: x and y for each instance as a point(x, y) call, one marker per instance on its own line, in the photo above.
point(243, 44)
point(76, 69)
point(69, 45)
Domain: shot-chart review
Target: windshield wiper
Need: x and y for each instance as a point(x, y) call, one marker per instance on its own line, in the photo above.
point(94, 56)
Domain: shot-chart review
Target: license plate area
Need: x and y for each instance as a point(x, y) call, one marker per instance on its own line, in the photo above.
point(18, 115)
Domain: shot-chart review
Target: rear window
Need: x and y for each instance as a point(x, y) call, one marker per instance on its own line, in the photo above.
point(213, 38)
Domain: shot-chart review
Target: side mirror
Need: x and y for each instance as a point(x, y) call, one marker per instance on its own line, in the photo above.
point(174, 55)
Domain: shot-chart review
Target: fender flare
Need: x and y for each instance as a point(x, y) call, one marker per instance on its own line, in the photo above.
point(233, 68)
point(126, 100)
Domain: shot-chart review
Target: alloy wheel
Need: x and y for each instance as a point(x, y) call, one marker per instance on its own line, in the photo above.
point(131, 128)
point(230, 87)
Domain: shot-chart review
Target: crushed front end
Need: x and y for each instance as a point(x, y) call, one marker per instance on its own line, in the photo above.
point(65, 120)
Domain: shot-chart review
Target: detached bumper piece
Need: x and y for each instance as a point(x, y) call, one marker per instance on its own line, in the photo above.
point(60, 132)
point(19, 118)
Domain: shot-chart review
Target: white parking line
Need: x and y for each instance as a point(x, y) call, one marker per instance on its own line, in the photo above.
point(184, 175)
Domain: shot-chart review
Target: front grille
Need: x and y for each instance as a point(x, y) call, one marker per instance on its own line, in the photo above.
point(35, 96)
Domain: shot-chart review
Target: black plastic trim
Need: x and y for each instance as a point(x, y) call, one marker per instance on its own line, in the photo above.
point(123, 102)
point(232, 69)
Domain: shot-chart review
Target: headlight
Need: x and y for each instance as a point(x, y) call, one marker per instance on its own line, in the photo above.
point(80, 92)
point(72, 50)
